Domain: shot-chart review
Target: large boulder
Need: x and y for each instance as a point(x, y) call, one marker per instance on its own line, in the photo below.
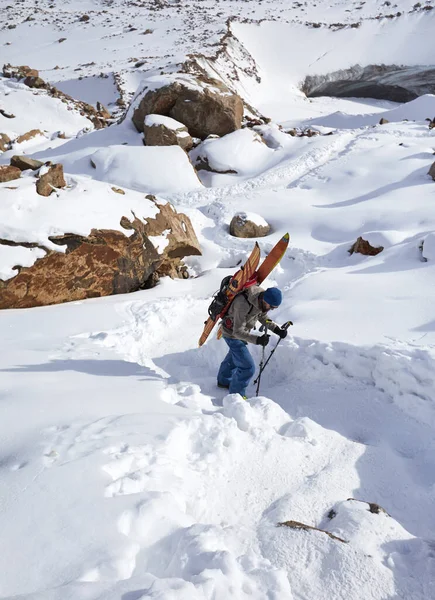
point(164, 131)
point(204, 107)
point(105, 262)
point(24, 163)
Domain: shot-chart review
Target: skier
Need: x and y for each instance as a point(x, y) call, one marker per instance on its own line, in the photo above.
point(248, 307)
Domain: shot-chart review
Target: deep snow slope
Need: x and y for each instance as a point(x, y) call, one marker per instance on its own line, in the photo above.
point(125, 473)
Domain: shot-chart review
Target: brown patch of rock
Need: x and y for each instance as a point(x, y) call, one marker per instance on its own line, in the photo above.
point(5, 141)
point(158, 134)
point(363, 247)
point(242, 227)
point(28, 135)
point(50, 181)
point(432, 171)
point(8, 173)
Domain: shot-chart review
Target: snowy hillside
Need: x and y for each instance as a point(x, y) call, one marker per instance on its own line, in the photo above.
point(125, 473)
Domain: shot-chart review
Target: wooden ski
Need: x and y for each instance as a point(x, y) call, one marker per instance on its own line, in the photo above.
point(266, 267)
point(236, 285)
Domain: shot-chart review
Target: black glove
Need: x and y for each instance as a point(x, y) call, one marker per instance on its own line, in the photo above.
point(263, 340)
point(281, 332)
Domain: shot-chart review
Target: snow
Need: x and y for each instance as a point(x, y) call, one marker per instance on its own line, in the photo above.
point(146, 169)
point(124, 471)
point(155, 120)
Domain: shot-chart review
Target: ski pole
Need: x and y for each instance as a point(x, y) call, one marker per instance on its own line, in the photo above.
point(263, 364)
point(261, 367)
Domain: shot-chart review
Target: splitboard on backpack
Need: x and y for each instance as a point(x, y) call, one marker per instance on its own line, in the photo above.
point(249, 274)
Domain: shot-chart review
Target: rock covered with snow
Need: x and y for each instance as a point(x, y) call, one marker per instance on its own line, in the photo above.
point(153, 170)
point(164, 131)
point(204, 107)
point(242, 152)
point(50, 180)
point(428, 247)
point(248, 225)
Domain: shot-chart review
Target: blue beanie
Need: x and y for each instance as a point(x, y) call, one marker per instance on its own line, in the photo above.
point(273, 296)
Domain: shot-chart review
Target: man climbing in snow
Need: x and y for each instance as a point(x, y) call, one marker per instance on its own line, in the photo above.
point(248, 307)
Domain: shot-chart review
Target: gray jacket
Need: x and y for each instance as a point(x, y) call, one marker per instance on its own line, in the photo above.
point(243, 314)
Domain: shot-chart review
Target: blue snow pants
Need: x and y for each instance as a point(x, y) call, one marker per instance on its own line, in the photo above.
point(237, 368)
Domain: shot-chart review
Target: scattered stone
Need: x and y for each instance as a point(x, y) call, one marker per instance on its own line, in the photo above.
point(304, 527)
point(84, 18)
point(5, 142)
point(362, 246)
point(383, 121)
point(372, 506)
point(28, 136)
point(24, 162)
point(203, 107)
point(250, 225)
point(164, 131)
point(118, 190)
point(432, 171)
point(60, 40)
point(6, 115)
point(51, 180)
point(9, 173)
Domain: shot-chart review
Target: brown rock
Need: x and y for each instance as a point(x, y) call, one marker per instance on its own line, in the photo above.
point(182, 237)
point(28, 136)
point(35, 82)
point(8, 173)
point(24, 162)
point(102, 111)
point(105, 262)
point(242, 227)
point(118, 191)
point(383, 121)
point(432, 123)
point(19, 72)
point(47, 183)
point(432, 171)
point(203, 108)
point(159, 134)
point(84, 18)
point(5, 141)
point(363, 247)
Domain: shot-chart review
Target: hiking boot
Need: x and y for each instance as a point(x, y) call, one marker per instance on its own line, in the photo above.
point(224, 386)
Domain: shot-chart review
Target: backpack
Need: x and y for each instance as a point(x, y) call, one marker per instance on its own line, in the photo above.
point(220, 299)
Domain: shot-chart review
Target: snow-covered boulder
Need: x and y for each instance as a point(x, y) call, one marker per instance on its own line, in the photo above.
point(204, 107)
point(242, 152)
point(149, 169)
point(248, 225)
point(164, 131)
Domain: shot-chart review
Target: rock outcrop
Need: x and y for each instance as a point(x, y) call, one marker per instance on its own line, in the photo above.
point(362, 246)
point(8, 173)
point(164, 131)
point(248, 226)
point(51, 180)
point(203, 107)
point(25, 162)
point(103, 263)
point(5, 142)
